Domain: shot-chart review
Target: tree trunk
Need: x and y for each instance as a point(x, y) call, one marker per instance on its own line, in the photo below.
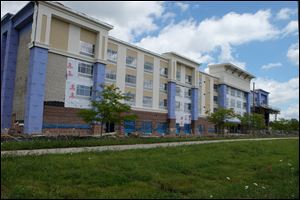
point(101, 128)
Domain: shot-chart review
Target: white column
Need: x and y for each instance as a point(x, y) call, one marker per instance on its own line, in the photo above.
point(140, 79)
point(156, 76)
point(121, 68)
point(74, 39)
point(211, 98)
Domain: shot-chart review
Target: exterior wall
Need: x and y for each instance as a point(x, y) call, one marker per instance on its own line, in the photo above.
point(56, 78)
point(21, 72)
point(59, 35)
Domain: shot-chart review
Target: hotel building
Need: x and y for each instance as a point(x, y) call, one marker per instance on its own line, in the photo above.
point(54, 59)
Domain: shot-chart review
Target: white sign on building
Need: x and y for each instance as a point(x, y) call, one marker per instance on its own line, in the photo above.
point(73, 80)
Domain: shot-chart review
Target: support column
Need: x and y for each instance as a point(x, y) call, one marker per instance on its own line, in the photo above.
point(3, 50)
point(98, 79)
point(9, 74)
point(222, 91)
point(194, 116)
point(171, 107)
point(34, 102)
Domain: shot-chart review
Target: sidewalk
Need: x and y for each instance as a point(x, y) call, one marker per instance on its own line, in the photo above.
point(123, 147)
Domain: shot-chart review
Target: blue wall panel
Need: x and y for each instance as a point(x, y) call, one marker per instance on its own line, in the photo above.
point(8, 76)
point(98, 79)
point(194, 104)
point(222, 91)
point(171, 100)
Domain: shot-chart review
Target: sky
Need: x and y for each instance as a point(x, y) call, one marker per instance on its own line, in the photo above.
point(261, 37)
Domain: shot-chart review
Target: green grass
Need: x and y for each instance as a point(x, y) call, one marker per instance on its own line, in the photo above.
point(196, 171)
point(43, 143)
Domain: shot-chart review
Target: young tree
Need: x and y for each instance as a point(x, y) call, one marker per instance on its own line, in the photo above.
point(219, 118)
point(252, 121)
point(108, 108)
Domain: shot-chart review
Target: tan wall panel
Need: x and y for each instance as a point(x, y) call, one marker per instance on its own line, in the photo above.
point(130, 72)
point(43, 28)
point(21, 74)
point(131, 53)
point(59, 34)
point(148, 76)
point(112, 46)
point(56, 78)
point(88, 36)
point(188, 71)
point(164, 64)
point(148, 93)
point(111, 67)
point(163, 95)
point(130, 89)
point(149, 59)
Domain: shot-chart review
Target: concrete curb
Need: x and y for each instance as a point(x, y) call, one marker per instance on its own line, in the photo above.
point(123, 147)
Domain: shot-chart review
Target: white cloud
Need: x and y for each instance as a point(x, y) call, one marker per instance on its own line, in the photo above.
point(280, 92)
point(183, 6)
point(270, 66)
point(291, 28)
point(293, 54)
point(285, 13)
point(11, 6)
point(291, 112)
point(130, 19)
point(207, 36)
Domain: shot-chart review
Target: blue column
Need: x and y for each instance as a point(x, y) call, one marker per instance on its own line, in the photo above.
point(98, 79)
point(248, 96)
point(259, 98)
point(9, 74)
point(171, 100)
point(194, 104)
point(222, 91)
point(34, 102)
point(3, 48)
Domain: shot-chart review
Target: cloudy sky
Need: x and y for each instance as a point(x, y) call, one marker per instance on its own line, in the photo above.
point(260, 37)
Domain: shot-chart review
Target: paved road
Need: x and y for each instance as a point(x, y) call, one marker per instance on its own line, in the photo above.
point(123, 147)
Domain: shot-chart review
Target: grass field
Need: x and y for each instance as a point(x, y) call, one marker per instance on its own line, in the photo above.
point(248, 169)
point(43, 143)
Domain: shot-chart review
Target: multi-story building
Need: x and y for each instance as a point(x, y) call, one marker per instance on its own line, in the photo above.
point(54, 59)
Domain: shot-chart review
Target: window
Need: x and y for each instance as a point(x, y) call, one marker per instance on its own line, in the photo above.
point(188, 79)
point(238, 93)
point(232, 92)
point(163, 104)
point(83, 90)
point(85, 68)
point(215, 88)
point(112, 55)
point(110, 75)
point(148, 67)
point(187, 107)
point(148, 84)
point(238, 104)
point(178, 91)
point(177, 105)
point(87, 49)
point(232, 103)
point(187, 93)
point(131, 61)
point(164, 71)
point(244, 105)
point(227, 102)
point(216, 99)
point(163, 87)
point(178, 75)
point(131, 100)
point(147, 101)
point(130, 80)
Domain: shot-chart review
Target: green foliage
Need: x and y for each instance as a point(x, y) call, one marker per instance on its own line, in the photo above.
point(285, 125)
point(108, 108)
point(253, 121)
point(219, 118)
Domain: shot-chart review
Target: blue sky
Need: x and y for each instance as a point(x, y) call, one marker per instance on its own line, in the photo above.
point(260, 37)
